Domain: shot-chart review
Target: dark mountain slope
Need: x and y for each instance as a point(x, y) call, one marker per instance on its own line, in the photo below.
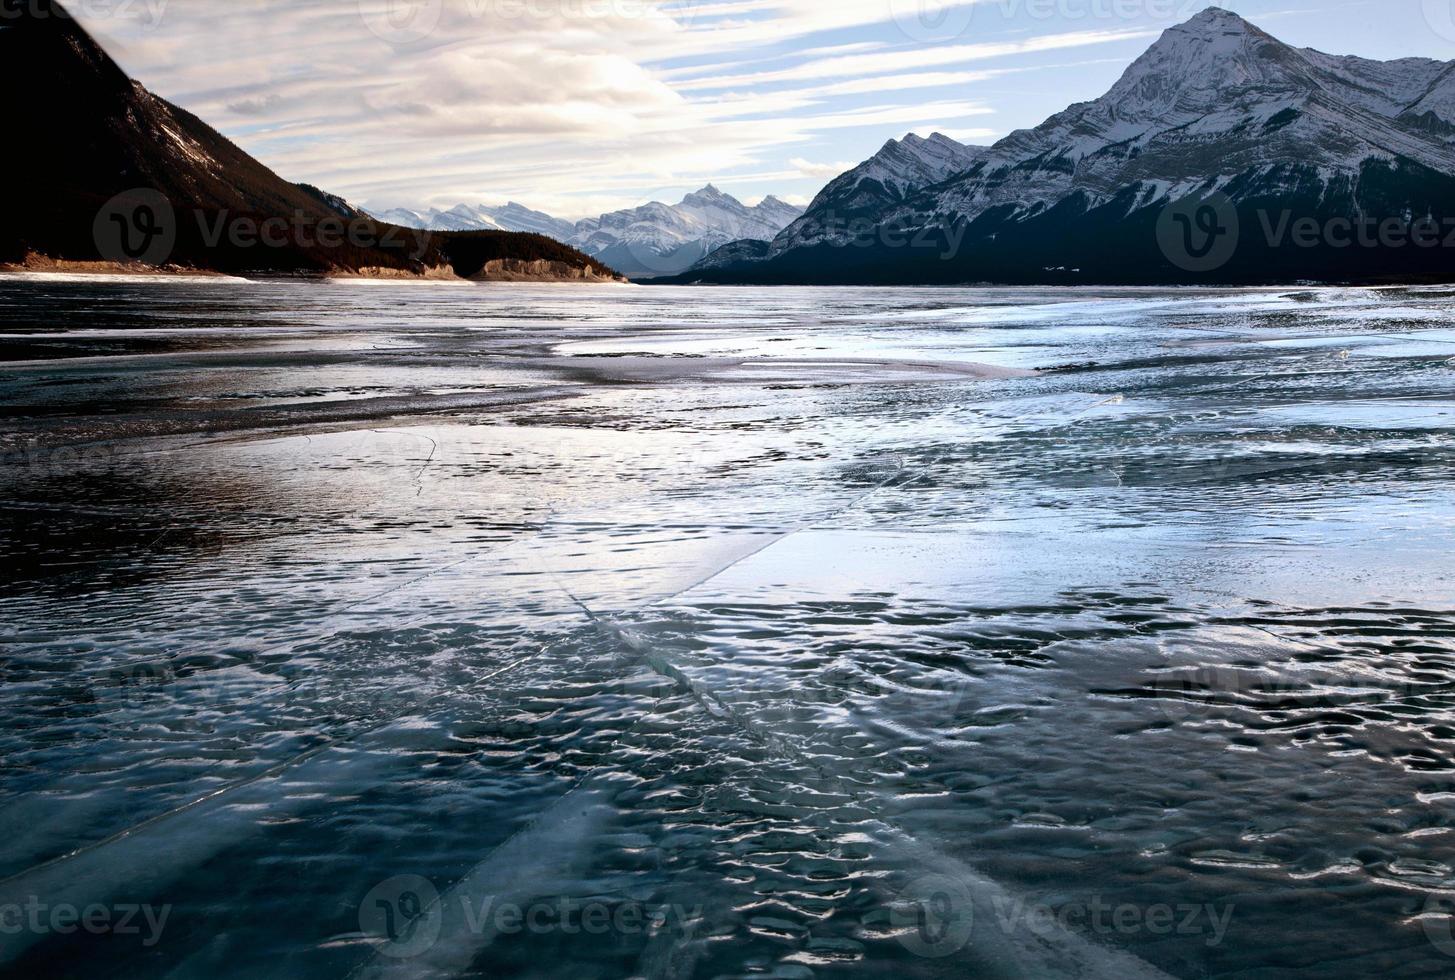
point(101, 170)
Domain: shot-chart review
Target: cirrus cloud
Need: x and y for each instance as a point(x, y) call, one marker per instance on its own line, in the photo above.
point(571, 106)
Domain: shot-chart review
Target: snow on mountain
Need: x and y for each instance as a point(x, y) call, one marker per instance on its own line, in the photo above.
point(468, 217)
point(518, 217)
point(726, 217)
point(655, 239)
point(900, 168)
point(659, 239)
point(404, 218)
point(1215, 105)
point(744, 250)
point(1212, 99)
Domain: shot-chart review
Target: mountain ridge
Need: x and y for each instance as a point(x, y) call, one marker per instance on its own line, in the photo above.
point(900, 168)
point(131, 181)
point(512, 217)
point(653, 239)
point(1215, 106)
point(659, 239)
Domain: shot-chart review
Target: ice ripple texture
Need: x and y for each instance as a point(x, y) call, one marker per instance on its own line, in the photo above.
point(794, 633)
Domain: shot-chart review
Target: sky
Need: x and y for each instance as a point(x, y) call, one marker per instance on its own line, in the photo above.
point(576, 107)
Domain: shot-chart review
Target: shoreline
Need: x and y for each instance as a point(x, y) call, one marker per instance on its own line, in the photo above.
point(37, 267)
point(84, 271)
point(19, 274)
point(40, 265)
point(112, 272)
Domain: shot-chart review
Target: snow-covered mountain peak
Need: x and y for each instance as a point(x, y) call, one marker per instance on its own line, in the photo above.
point(707, 196)
point(914, 161)
point(481, 217)
point(932, 147)
point(778, 211)
point(1218, 20)
point(663, 239)
point(652, 239)
point(934, 139)
point(1214, 103)
point(1213, 98)
point(1203, 63)
point(900, 168)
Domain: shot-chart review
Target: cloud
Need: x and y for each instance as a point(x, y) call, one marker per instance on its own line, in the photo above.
point(821, 171)
point(565, 105)
point(881, 62)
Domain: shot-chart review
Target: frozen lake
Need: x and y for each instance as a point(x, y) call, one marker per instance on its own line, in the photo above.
point(423, 630)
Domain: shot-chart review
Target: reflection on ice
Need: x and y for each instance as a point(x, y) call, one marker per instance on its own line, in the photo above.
point(1033, 601)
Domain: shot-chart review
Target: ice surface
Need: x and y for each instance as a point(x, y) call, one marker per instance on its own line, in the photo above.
point(1155, 609)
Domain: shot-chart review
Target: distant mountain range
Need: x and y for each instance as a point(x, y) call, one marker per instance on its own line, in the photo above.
point(473, 217)
point(1222, 155)
point(104, 174)
point(653, 240)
